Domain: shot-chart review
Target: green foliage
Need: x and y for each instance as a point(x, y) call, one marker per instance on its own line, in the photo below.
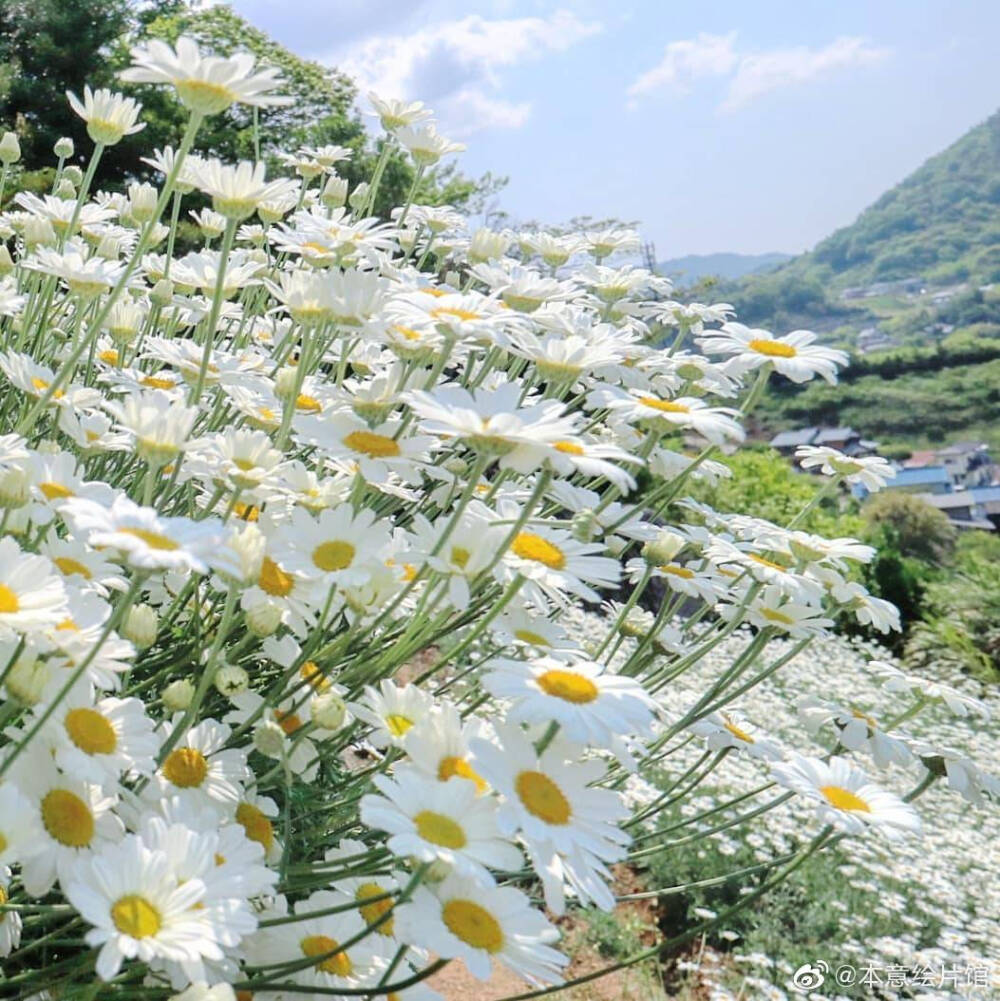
point(765, 485)
point(914, 406)
point(52, 46)
point(918, 529)
point(962, 614)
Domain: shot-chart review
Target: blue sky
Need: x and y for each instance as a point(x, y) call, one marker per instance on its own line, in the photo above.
point(737, 125)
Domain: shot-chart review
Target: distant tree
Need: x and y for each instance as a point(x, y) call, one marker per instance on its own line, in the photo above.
point(50, 46)
point(917, 528)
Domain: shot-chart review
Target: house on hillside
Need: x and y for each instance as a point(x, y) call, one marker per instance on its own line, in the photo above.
point(922, 480)
point(968, 463)
point(976, 508)
point(844, 439)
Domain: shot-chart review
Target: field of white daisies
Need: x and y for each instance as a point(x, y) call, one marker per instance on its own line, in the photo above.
point(351, 595)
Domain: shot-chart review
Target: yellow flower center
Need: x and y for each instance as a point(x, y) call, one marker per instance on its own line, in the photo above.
point(737, 732)
point(154, 383)
point(766, 563)
point(90, 731)
point(70, 566)
point(311, 671)
point(8, 600)
point(338, 964)
point(67, 818)
point(870, 720)
point(530, 546)
point(289, 722)
point(40, 386)
point(55, 491)
point(527, 636)
point(135, 916)
point(460, 314)
point(568, 686)
point(308, 404)
point(155, 540)
point(255, 825)
point(397, 724)
point(542, 797)
point(110, 356)
point(334, 555)
point(439, 829)
point(773, 349)
point(204, 95)
point(568, 447)
point(773, 615)
point(843, 799)
point(373, 911)
point(375, 446)
point(185, 767)
point(460, 556)
point(273, 580)
point(472, 924)
point(452, 765)
point(675, 570)
point(664, 406)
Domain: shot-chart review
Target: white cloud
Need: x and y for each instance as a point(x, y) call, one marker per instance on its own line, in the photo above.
point(686, 61)
point(750, 74)
point(766, 71)
point(457, 67)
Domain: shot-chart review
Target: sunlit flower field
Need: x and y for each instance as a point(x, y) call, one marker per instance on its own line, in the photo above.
point(355, 618)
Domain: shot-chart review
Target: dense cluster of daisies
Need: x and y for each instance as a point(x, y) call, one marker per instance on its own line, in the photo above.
point(292, 532)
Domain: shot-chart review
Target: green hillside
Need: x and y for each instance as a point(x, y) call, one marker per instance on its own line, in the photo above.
point(912, 289)
point(692, 267)
point(941, 224)
point(938, 228)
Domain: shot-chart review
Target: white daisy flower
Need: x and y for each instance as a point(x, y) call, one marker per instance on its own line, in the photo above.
point(391, 710)
point(139, 909)
point(591, 705)
point(147, 540)
point(461, 919)
point(795, 355)
point(439, 821)
point(845, 797)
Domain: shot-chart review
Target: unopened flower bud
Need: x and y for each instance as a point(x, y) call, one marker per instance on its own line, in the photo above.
point(359, 195)
point(663, 548)
point(73, 174)
point(65, 190)
point(108, 247)
point(142, 200)
point(163, 292)
point(263, 619)
point(15, 488)
point(284, 381)
point(231, 679)
point(63, 148)
point(10, 149)
point(585, 525)
point(38, 233)
point(6, 261)
point(269, 739)
point(334, 192)
point(177, 695)
point(141, 625)
point(49, 446)
point(26, 680)
point(456, 466)
point(328, 711)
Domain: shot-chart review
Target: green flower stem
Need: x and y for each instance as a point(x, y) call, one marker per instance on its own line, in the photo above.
point(207, 674)
point(213, 317)
point(69, 365)
point(114, 618)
